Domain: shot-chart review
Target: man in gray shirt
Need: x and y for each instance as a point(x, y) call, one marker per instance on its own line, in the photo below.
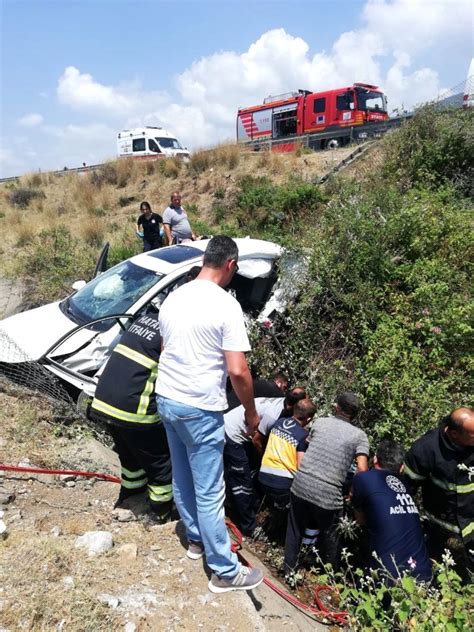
point(316, 493)
point(175, 221)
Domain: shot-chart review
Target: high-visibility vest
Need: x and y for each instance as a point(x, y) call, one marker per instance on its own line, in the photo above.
point(125, 393)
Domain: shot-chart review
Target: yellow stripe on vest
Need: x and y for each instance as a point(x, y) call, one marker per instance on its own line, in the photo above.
point(135, 356)
point(149, 388)
point(103, 407)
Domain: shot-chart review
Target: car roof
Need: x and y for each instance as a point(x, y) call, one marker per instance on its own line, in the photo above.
point(170, 258)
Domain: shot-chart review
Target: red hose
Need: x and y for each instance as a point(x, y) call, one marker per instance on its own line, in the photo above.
point(319, 611)
point(38, 470)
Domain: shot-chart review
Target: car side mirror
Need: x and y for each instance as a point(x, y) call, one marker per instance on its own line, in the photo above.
point(78, 285)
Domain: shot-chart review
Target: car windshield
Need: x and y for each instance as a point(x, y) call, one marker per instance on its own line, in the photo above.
point(368, 100)
point(113, 292)
point(168, 143)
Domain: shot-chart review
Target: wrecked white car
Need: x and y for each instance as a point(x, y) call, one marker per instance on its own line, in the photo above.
point(72, 338)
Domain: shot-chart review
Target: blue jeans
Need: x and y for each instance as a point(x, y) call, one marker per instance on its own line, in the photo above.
point(196, 441)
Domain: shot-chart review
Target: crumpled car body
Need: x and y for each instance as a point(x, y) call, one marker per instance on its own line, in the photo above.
point(73, 338)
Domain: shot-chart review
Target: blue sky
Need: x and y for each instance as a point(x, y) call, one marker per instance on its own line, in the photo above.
point(73, 73)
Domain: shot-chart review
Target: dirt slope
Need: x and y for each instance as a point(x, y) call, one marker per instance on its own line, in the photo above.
point(144, 582)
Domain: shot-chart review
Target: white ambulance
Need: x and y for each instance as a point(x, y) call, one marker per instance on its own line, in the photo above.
point(149, 141)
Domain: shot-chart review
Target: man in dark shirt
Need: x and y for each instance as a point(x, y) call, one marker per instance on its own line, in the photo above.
point(383, 504)
point(148, 228)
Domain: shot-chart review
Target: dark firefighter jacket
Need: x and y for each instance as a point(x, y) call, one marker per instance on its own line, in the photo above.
point(443, 470)
point(125, 394)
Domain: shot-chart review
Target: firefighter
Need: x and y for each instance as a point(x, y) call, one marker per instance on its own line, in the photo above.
point(442, 462)
point(125, 400)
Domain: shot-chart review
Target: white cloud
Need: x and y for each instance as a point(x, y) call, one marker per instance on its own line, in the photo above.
point(30, 120)
point(82, 92)
point(387, 50)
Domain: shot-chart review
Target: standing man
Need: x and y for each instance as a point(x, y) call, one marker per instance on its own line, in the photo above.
point(442, 462)
point(175, 221)
point(199, 348)
point(316, 498)
point(382, 502)
point(148, 227)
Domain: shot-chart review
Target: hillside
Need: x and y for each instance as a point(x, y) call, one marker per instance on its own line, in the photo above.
point(385, 310)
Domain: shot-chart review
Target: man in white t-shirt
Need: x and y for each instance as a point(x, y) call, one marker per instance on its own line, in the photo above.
point(204, 338)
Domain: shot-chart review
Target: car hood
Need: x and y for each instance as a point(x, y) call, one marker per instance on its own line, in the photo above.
point(28, 335)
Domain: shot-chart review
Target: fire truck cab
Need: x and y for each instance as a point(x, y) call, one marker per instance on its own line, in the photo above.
point(306, 113)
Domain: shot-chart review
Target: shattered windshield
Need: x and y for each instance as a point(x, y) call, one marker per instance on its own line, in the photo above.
point(113, 292)
point(374, 101)
point(168, 143)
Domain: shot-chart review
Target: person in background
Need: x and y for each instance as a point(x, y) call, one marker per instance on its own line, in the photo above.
point(199, 349)
point(382, 503)
point(271, 415)
point(442, 463)
point(241, 462)
point(175, 221)
point(285, 449)
point(148, 227)
point(316, 498)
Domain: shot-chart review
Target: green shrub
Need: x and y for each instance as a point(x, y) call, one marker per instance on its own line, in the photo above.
point(431, 149)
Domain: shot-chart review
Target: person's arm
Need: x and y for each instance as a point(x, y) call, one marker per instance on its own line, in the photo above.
point(259, 441)
point(168, 236)
point(299, 458)
point(242, 384)
point(362, 463)
point(139, 228)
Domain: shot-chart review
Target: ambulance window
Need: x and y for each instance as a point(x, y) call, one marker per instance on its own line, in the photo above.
point(319, 105)
point(139, 144)
point(152, 146)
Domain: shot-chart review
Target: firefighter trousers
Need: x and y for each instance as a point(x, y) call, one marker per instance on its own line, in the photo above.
point(239, 474)
point(145, 463)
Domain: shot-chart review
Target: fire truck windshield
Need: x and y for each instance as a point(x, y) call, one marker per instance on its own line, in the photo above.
point(373, 101)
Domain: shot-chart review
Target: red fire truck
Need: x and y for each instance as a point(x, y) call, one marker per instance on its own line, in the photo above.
point(316, 119)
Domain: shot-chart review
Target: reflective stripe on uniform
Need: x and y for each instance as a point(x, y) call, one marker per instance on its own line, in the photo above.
point(446, 525)
point(409, 472)
point(134, 474)
point(446, 485)
point(467, 530)
point(465, 489)
point(160, 493)
point(141, 482)
point(122, 414)
point(131, 354)
point(149, 388)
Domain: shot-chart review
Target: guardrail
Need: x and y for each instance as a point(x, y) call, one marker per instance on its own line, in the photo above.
point(59, 172)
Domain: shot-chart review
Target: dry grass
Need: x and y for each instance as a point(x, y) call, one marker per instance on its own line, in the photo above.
point(35, 596)
point(93, 231)
point(225, 156)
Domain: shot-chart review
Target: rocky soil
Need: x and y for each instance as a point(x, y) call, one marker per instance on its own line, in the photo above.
point(130, 575)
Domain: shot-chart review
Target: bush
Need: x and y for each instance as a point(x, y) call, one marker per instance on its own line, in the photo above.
point(431, 149)
point(22, 197)
point(262, 205)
